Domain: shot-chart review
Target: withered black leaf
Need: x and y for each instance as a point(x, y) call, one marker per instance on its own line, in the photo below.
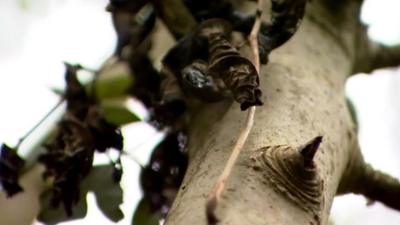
point(167, 113)
point(86, 110)
point(108, 195)
point(161, 178)
point(184, 65)
point(50, 215)
point(193, 46)
point(105, 134)
point(76, 97)
point(285, 19)
point(187, 49)
point(285, 16)
point(133, 44)
point(129, 5)
point(197, 82)
point(204, 10)
point(82, 130)
point(68, 160)
point(172, 104)
point(117, 173)
point(10, 166)
point(144, 215)
point(147, 80)
point(237, 72)
point(132, 27)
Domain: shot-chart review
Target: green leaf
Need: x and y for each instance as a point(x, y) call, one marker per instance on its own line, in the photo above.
point(50, 215)
point(108, 194)
point(114, 81)
point(117, 112)
point(58, 91)
point(108, 197)
point(143, 214)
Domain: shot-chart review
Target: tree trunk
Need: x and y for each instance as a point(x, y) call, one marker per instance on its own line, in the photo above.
point(303, 95)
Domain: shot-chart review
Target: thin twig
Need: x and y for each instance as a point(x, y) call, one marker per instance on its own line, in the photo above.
point(253, 37)
point(23, 138)
point(215, 195)
point(133, 158)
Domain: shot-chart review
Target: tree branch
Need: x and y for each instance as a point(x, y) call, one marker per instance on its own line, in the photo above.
point(385, 56)
point(379, 186)
point(175, 15)
point(377, 56)
point(360, 178)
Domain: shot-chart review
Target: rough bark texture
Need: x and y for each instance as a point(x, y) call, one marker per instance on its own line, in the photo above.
point(303, 95)
point(277, 180)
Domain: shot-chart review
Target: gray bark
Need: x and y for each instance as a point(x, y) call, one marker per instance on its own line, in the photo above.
point(303, 95)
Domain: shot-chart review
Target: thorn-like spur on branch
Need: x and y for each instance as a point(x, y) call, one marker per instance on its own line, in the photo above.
point(175, 15)
point(286, 16)
point(283, 166)
point(309, 150)
point(379, 186)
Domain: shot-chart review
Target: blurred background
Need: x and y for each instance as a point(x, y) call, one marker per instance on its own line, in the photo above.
point(36, 37)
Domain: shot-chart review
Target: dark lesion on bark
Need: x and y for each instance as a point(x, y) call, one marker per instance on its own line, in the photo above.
point(292, 172)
